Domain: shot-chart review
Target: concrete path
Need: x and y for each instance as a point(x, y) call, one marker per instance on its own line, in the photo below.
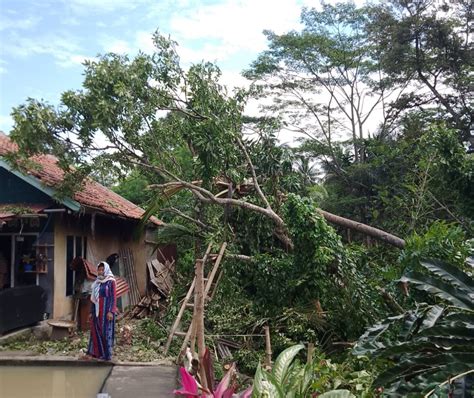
point(141, 382)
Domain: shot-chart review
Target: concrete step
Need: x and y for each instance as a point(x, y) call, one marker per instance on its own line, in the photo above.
point(141, 381)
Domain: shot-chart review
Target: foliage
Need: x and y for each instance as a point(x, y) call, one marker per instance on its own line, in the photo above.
point(290, 378)
point(134, 188)
point(121, 102)
point(442, 241)
point(316, 76)
point(407, 182)
point(427, 43)
point(324, 269)
point(431, 343)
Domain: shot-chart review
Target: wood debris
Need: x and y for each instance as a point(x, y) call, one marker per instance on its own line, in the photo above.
point(159, 288)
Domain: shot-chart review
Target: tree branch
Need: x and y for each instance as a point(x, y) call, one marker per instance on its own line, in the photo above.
point(364, 229)
point(254, 176)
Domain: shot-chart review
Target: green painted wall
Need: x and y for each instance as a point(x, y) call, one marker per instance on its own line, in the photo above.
point(15, 190)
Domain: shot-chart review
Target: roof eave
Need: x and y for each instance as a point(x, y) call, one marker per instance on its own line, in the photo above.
point(33, 181)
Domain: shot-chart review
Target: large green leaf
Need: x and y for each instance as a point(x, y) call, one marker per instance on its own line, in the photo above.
point(422, 363)
point(456, 296)
point(431, 317)
point(433, 343)
point(276, 389)
point(265, 385)
point(449, 274)
point(368, 341)
point(258, 384)
point(283, 362)
point(337, 394)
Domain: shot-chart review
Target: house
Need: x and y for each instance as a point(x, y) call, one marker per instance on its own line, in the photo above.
point(40, 234)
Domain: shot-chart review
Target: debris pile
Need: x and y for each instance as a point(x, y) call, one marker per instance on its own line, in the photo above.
point(159, 288)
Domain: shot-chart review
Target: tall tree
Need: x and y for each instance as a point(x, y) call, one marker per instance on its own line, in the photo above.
point(325, 79)
point(429, 45)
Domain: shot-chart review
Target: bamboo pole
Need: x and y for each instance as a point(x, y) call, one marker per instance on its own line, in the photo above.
point(268, 349)
point(199, 317)
point(178, 318)
point(309, 358)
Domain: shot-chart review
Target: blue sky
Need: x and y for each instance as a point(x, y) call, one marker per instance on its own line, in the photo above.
point(43, 42)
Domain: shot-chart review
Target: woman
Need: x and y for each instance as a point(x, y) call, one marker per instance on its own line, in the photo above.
point(102, 316)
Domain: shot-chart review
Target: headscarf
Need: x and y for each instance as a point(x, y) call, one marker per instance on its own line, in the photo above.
point(108, 276)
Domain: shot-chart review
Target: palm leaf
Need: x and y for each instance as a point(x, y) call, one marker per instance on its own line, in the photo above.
point(455, 296)
point(422, 363)
point(450, 274)
point(431, 317)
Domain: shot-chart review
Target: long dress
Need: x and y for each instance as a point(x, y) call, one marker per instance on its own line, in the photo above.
point(102, 330)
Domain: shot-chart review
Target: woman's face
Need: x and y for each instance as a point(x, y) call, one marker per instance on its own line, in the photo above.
point(100, 271)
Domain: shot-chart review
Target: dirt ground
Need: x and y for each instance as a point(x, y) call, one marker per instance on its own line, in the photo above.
point(136, 341)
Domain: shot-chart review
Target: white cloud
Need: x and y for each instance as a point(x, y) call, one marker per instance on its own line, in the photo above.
point(74, 60)
point(144, 41)
point(236, 25)
point(6, 123)
point(86, 6)
point(62, 48)
point(3, 69)
point(7, 23)
point(111, 45)
point(208, 52)
point(70, 21)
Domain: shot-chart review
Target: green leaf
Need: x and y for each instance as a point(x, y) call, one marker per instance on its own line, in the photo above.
point(456, 296)
point(431, 317)
point(275, 388)
point(450, 274)
point(258, 386)
point(337, 394)
point(283, 362)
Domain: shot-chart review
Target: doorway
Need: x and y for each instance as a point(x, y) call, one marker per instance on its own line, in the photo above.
point(17, 260)
point(5, 261)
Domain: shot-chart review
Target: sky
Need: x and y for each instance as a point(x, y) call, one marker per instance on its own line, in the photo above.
point(44, 42)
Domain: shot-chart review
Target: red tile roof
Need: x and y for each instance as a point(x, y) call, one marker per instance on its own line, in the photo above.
point(93, 194)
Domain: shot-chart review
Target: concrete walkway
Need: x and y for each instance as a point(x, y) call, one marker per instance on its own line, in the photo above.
point(141, 381)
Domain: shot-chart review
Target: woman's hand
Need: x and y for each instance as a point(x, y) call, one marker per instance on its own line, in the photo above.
point(110, 316)
point(90, 318)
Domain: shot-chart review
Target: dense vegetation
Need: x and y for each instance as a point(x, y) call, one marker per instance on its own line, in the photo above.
point(378, 97)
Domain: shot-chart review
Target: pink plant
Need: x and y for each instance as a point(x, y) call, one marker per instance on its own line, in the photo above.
point(190, 387)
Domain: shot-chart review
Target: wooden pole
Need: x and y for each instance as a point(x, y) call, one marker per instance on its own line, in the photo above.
point(178, 318)
point(268, 349)
point(309, 359)
point(199, 317)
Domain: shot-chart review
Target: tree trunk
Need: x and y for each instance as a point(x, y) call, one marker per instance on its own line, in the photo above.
point(364, 229)
point(199, 317)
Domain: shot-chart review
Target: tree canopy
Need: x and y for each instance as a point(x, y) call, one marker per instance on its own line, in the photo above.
point(379, 98)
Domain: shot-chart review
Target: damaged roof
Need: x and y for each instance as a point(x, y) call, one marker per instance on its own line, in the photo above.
point(93, 195)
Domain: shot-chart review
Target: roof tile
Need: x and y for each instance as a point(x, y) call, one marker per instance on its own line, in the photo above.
point(92, 195)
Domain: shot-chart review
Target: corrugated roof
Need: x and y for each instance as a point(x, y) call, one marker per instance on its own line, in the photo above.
point(92, 195)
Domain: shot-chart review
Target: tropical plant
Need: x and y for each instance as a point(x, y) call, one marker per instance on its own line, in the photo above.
point(291, 379)
point(190, 387)
point(430, 344)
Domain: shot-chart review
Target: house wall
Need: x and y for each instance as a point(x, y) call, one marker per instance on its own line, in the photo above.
point(113, 234)
point(14, 190)
point(108, 237)
point(64, 225)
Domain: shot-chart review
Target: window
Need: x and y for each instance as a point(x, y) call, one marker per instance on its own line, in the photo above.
point(75, 246)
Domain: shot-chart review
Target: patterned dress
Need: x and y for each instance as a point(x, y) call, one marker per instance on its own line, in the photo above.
point(102, 330)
